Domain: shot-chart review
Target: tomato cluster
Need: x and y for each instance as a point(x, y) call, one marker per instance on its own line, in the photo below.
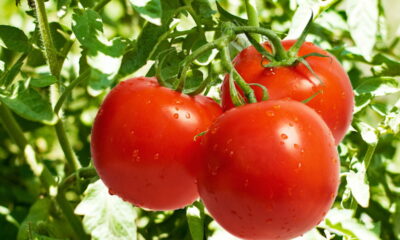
point(267, 170)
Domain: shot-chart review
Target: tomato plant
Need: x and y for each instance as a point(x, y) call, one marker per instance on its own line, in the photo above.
point(327, 84)
point(67, 174)
point(269, 182)
point(143, 143)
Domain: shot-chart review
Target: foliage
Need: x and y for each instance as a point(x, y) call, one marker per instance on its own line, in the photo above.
point(104, 42)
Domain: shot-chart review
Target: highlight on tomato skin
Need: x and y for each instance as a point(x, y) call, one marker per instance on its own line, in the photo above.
point(271, 170)
point(143, 143)
point(334, 99)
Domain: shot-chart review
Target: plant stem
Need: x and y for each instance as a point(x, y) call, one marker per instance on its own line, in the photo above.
point(252, 16)
point(280, 52)
point(226, 61)
point(55, 69)
point(44, 29)
point(69, 89)
point(101, 5)
point(197, 53)
point(73, 161)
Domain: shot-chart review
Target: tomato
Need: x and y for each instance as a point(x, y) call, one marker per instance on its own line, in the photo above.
point(143, 143)
point(335, 101)
point(271, 170)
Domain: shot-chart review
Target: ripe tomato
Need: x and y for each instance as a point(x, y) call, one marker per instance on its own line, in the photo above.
point(143, 143)
point(271, 171)
point(334, 103)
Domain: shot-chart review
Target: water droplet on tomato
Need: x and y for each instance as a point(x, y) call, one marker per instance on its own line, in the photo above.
point(231, 153)
point(296, 145)
point(284, 136)
point(176, 116)
point(176, 108)
point(178, 102)
point(111, 192)
point(135, 155)
point(270, 113)
point(290, 124)
point(148, 102)
point(302, 150)
point(132, 132)
point(277, 106)
point(156, 156)
point(187, 115)
point(296, 119)
point(299, 165)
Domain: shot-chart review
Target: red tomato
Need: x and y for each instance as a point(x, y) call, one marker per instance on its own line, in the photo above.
point(271, 172)
point(143, 143)
point(335, 102)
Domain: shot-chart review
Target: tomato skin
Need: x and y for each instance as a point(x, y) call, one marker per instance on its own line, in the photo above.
point(335, 103)
point(143, 143)
point(271, 171)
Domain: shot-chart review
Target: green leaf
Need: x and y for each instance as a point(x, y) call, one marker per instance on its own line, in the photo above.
point(392, 119)
point(226, 16)
point(168, 10)
point(388, 66)
point(149, 10)
point(29, 104)
point(14, 39)
point(362, 101)
point(9, 75)
point(362, 18)
point(341, 221)
point(106, 216)
point(170, 65)
point(358, 184)
point(195, 217)
point(88, 28)
point(378, 86)
point(37, 213)
point(204, 11)
point(368, 133)
point(87, 3)
point(58, 34)
point(43, 81)
point(137, 57)
point(301, 17)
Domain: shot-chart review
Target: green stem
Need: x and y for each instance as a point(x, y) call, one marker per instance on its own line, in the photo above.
point(280, 52)
point(186, 32)
point(44, 29)
point(73, 161)
point(252, 16)
point(55, 70)
point(197, 53)
point(226, 61)
point(101, 5)
point(69, 89)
